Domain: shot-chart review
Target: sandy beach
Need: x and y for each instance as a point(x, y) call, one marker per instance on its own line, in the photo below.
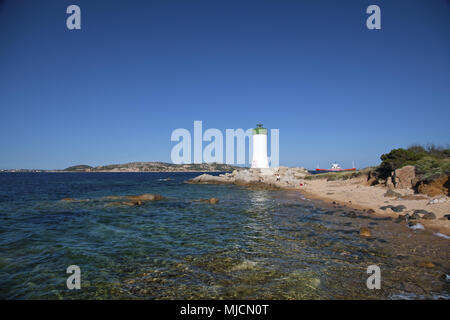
point(356, 194)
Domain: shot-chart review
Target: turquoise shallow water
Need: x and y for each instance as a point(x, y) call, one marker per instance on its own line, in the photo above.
point(253, 244)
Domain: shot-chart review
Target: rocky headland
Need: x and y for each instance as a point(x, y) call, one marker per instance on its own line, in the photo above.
point(262, 178)
point(140, 167)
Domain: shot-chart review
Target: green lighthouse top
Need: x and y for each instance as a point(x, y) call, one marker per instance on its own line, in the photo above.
point(259, 129)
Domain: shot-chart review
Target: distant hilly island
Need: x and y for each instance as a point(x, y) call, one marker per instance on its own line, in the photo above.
point(141, 167)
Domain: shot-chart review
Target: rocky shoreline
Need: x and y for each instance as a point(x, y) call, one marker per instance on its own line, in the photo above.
point(289, 178)
point(398, 201)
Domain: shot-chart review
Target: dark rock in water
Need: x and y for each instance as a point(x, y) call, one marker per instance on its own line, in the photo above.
point(350, 214)
point(176, 204)
point(370, 211)
point(347, 224)
point(212, 200)
point(73, 200)
point(383, 219)
point(425, 214)
point(391, 193)
point(429, 216)
point(445, 277)
point(415, 216)
point(364, 232)
point(398, 208)
point(402, 218)
point(126, 203)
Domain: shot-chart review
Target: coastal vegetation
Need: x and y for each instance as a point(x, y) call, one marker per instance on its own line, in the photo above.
point(343, 175)
point(431, 162)
point(430, 166)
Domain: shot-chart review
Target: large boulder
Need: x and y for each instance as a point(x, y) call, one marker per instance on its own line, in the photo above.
point(403, 178)
point(207, 178)
point(289, 177)
point(436, 187)
point(249, 176)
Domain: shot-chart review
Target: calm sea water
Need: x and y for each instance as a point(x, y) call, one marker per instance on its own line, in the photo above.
point(254, 244)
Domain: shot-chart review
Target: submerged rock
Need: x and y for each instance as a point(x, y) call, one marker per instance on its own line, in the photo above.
point(351, 214)
point(146, 197)
point(113, 197)
point(244, 265)
point(211, 200)
point(125, 203)
point(365, 232)
point(427, 264)
point(73, 200)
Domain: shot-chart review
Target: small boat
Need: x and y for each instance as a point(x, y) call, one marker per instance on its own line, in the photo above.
point(335, 167)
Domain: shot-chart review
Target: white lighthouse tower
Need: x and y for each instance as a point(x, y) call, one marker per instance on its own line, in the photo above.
point(260, 147)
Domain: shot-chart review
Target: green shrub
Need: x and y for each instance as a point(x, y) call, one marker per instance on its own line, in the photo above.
point(431, 161)
point(344, 175)
point(429, 168)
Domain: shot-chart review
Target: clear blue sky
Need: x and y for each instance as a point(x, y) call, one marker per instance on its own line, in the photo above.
point(114, 91)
